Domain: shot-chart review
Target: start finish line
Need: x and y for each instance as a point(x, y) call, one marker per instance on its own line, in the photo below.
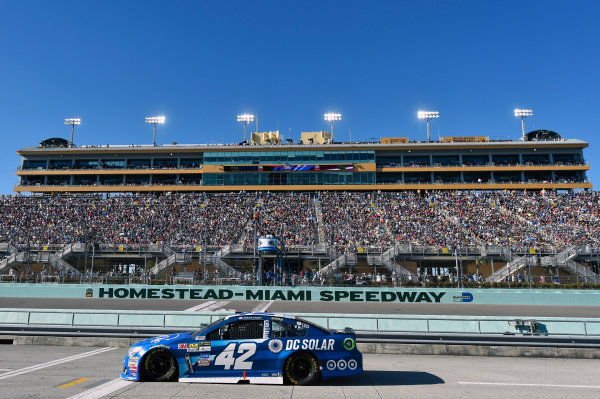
point(314, 294)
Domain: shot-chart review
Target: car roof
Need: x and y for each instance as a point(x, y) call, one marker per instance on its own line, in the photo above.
point(263, 314)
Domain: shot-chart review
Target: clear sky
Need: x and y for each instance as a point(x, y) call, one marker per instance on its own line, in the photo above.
point(201, 63)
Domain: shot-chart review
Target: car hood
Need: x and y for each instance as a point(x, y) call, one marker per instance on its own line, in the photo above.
point(164, 339)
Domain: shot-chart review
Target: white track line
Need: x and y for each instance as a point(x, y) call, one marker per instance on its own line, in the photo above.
point(102, 390)
point(210, 306)
point(53, 363)
point(263, 306)
point(216, 307)
point(199, 307)
point(516, 384)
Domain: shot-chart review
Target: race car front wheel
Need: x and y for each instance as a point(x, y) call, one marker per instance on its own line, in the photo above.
point(301, 369)
point(159, 365)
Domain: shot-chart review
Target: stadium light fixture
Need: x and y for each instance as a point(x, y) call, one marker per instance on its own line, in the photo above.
point(155, 120)
point(428, 115)
point(72, 122)
point(332, 117)
point(523, 113)
point(245, 118)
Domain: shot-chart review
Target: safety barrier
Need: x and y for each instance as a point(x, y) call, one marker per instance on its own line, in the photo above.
point(418, 324)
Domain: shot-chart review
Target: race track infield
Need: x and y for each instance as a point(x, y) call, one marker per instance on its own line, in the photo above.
point(459, 309)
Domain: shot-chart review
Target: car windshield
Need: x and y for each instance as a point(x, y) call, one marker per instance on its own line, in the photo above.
point(205, 327)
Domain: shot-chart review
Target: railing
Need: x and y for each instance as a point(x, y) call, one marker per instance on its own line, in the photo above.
point(512, 267)
point(181, 320)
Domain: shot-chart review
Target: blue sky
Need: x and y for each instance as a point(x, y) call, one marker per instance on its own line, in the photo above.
point(201, 63)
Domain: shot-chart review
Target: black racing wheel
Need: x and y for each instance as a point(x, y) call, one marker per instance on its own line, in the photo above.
point(159, 365)
point(301, 368)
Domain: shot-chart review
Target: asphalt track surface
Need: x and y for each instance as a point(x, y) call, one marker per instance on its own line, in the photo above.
point(78, 372)
point(459, 309)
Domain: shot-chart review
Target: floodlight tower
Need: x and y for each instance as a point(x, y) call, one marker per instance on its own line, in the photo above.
point(332, 117)
point(523, 113)
point(245, 118)
point(73, 122)
point(427, 115)
point(155, 120)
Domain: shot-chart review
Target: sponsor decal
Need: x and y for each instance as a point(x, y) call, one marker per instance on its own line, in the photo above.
point(352, 364)
point(267, 330)
point(132, 366)
point(464, 297)
point(200, 338)
point(193, 348)
point(323, 295)
point(89, 293)
point(341, 364)
point(204, 356)
point(164, 338)
point(133, 359)
point(133, 375)
point(331, 365)
point(182, 346)
point(203, 362)
point(275, 345)
point(158, 346)
point(205, 346)
point(325, 344)
point(349, 344)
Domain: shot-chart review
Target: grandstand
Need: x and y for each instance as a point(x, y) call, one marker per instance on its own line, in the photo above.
point(389, 212)
point(395, 237)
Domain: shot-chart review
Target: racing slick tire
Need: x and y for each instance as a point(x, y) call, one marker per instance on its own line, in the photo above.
point(159, 365)
point(301, 368)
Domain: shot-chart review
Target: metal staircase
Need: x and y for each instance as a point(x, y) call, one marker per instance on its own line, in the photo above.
point(339, 262)
point(172, 258)
point(564, 260)
point(221, 266)
point(387, 259)
point(512, 267)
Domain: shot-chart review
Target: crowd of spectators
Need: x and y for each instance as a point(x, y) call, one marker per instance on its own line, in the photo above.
point(289, 216)
point(345, 220)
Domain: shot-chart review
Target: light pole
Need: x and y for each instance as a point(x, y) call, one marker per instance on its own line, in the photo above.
point(523, 113)
point(332, 117)
point(245, 118)
point(427, 115)
point(73, 122)
point(155, 120)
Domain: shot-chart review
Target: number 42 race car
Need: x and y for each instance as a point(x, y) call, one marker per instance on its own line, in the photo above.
point(262, 348)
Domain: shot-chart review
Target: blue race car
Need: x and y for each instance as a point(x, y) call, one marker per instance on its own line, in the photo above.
point(261, 348)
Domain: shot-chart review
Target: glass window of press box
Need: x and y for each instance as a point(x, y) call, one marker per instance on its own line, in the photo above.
point(289, 179)
point(261, 157)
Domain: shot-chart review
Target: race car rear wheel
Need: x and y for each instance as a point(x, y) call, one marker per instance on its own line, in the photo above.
point(301, 368)
point(159, 365)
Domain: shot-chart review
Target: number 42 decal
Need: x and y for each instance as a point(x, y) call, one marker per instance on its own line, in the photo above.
point(227, 357)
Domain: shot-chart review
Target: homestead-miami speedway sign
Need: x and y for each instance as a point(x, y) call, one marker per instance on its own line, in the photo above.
point(485, 296)
point(274, 294)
